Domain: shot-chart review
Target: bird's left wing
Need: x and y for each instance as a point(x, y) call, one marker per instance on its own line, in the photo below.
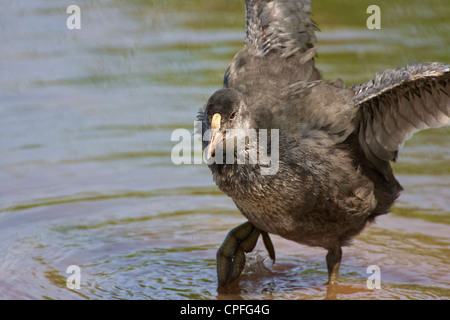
point(397, 103)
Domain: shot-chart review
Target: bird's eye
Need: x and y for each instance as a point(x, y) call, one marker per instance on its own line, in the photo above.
point(233, 115)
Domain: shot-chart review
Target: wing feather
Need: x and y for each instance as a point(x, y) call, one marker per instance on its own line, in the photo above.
point(284, 26)
point(398, 103)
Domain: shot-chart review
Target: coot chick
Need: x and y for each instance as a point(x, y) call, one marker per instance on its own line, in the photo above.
point(333, 144)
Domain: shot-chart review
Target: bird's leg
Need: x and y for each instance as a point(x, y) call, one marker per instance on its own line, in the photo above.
point(333, 262)
point(269, 245)
point(231, 254)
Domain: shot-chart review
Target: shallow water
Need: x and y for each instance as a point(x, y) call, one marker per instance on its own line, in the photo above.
point(86, 176)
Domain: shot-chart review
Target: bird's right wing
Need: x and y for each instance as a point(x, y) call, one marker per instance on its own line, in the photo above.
point(279, 47)
point(282, 26)
point(397, 103)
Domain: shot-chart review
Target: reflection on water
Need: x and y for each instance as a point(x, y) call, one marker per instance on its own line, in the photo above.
point(85, 172)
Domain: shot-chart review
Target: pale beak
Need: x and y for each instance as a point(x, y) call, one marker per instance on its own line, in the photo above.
point(216, 136)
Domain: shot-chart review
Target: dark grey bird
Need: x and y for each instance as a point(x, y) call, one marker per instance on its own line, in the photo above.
point(335, 144)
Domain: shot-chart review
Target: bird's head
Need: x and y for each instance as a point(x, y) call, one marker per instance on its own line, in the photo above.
point(225, 110)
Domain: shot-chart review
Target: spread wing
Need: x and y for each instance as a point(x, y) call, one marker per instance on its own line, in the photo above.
point(279, 47)
point(283, 25)
point(397, 103)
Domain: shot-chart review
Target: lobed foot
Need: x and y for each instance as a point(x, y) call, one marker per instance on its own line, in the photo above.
point(231, 254)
